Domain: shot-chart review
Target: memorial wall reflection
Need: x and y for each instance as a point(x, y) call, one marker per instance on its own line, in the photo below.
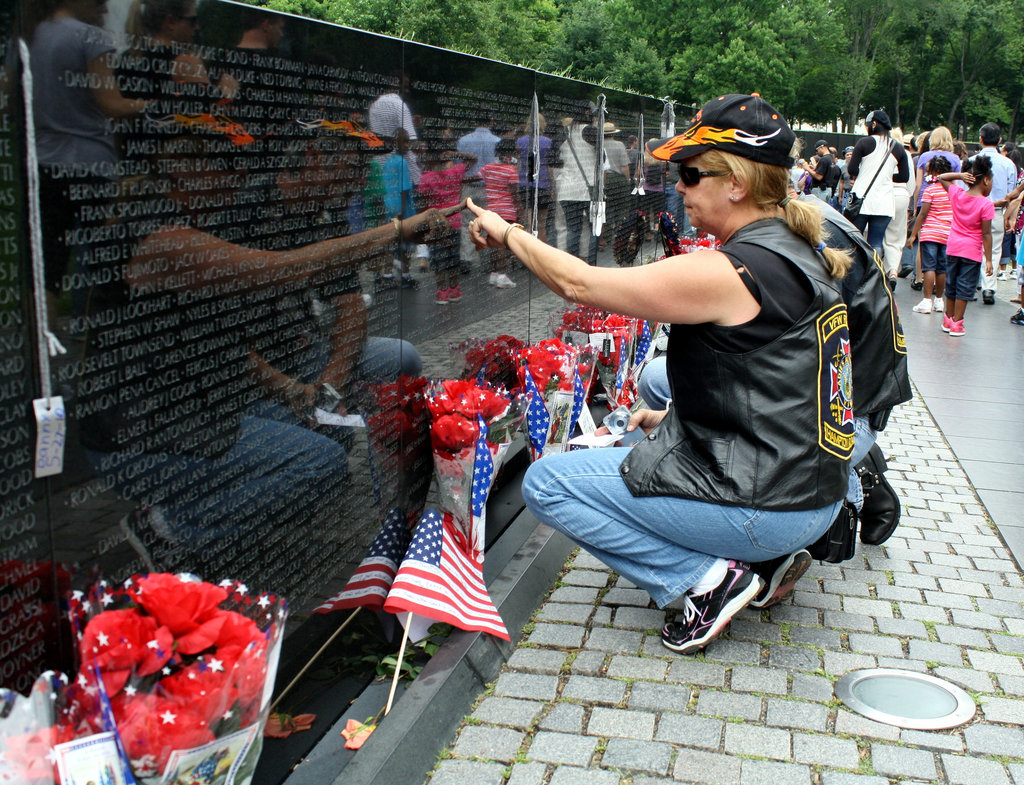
point(217, 186)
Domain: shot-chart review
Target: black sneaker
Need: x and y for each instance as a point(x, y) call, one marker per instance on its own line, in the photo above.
point(1018, 318)
point(706, 615)
point(780, 577)
point(988, 297)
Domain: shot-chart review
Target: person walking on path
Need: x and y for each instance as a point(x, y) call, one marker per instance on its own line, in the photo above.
point(759, 335)
point(1004, 180)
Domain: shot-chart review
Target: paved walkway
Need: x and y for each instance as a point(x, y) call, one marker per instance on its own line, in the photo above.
point(590, 696)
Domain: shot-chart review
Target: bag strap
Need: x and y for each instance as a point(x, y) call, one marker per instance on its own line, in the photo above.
point(572, 149)
point(878, 170)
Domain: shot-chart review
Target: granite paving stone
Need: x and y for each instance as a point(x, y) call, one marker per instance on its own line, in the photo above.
point(816, 637)
point(537, 660)
point(932, 740)
point(526, 685)
point(850, 621)
point(647, 668)
point(589, 663)
point(571, 748)
point(1005, 710)
point(621, 722)
point(689, 671)
point(966, 677)
point(632, 618)
point(690, 730)
point(509, 711)
point(562, 636)
point(825, 751)
point(468, 772)
point(797, 714)
point(617, 641)
point(762, 772)
point(592, 689)
point(903, 762)
point(995, 740)
point(561, 611)
point(564, 717)
point(875, 644)
point(586, 595)
point(944, 653)
point(697, 766)
point(619, 596)
point(995, 663)
point(972, 771)
point(725, 650)
point(637, 755)
point(595, 578)
point(812, 688)
point(571, 775)
point(526, 774)
point(772, 743)
point(481, 741)
point(794, 658)
point(747, 679)
point(659, 697)
point(727, 704)
point(850, 724)
point(963, 636)
point(982, 621)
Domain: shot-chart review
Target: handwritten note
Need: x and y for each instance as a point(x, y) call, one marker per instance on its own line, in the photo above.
point(51, 429)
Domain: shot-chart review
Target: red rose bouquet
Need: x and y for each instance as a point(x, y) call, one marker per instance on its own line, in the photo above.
point(614, 339)
point(179, 671)
point(461, 411)
point(555, 376)
point(487, 362)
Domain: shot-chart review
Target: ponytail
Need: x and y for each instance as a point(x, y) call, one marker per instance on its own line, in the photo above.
point(805, 220)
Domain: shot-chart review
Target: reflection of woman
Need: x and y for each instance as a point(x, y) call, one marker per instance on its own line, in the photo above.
point(74, 93)
point(575, 186)
point(749, 462)
point(539, 188)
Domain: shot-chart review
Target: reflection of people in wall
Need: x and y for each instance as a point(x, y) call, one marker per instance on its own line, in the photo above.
point(172, 427)
point(318, 344)
point(480, 142)
point(440, 187)
point(575, 187)
point(74, 93)
point(535, 176)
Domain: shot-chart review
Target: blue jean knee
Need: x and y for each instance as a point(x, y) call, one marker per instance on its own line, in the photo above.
point(962, 276)
point(653, 384)
point(663, 544)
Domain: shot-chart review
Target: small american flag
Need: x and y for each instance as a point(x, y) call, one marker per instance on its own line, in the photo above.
point(370, 583)
point(538, 421)
point(483, 475)
point(440, 579)
point(644, 342)
point(579, 397)
point(622, 361)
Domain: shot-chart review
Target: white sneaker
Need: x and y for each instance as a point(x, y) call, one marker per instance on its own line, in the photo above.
point(925, 306)
point(938, 304)
point(1001, 276)
point(493, 279)
point(504, 282)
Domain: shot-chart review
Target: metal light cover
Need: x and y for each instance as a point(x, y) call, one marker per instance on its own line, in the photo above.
point(906, 699)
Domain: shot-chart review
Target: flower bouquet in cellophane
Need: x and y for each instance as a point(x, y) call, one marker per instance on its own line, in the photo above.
point(613, 339)
point(555, 376)
point(179, 672)
point(487, 361)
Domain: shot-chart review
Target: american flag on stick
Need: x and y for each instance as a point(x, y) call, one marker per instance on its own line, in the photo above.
point(369, 585)
point(440, 579)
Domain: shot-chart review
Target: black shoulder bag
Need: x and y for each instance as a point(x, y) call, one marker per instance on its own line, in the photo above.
point(856, 202)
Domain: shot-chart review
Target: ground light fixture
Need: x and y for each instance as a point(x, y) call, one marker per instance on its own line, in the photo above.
point(906, 699)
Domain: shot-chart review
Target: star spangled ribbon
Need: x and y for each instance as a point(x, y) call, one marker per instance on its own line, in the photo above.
point(578, 398)
point(537, 419)
point(620, 373)
point(483, 471)
point(643, 345)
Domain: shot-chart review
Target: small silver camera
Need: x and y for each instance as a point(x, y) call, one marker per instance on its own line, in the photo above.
point(616, 421)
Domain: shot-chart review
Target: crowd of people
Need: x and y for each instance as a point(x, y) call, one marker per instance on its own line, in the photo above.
point(903, 184)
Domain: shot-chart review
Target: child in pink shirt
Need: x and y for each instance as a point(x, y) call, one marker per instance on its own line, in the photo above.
point(970, 239)
point(441, 187)
point(501, 185)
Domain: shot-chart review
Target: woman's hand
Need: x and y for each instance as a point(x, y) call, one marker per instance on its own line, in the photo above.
point(301, 399)
point(487, 228)
point(644, 419)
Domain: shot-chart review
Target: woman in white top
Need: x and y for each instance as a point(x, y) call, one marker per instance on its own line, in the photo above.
point(574, 184)
point(877, 154)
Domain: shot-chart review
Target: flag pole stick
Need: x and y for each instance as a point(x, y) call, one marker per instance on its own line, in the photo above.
point(398, 665)
point(314, 658)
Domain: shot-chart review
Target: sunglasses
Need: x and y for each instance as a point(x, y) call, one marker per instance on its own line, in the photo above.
point(691, 175)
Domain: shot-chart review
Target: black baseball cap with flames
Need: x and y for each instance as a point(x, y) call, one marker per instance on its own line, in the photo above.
point(744, 125)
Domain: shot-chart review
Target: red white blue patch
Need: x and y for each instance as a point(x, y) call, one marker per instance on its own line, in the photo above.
point(835, 383)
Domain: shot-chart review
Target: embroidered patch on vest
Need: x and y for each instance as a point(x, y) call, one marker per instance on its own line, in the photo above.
point(835, 383)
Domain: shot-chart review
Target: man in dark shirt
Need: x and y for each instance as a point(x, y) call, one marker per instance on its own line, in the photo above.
point(822, 173)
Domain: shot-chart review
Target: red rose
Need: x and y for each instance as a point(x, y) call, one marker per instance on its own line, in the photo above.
point(152, 727)
point(122, 641)
point(179, 604)
point(452, 432)
point(203, 687)
point(238, 631)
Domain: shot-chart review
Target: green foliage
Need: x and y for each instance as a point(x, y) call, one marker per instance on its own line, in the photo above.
point(927, 62)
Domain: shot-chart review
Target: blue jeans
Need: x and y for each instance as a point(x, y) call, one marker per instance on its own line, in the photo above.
point(271, 471)
point(663, 544)
point(933, 258)
point(873, 228)
point(654, 389)
point(576, 221)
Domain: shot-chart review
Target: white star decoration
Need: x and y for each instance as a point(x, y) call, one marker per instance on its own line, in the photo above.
point(216, 665)
point(102, 639)
point(168, 717)
point(264, 601)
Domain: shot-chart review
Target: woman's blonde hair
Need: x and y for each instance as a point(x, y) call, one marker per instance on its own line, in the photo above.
point(941, 139)
point(768, 186)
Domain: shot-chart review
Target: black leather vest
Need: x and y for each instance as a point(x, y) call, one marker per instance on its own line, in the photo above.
point(770, 429)
point(880, 379)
